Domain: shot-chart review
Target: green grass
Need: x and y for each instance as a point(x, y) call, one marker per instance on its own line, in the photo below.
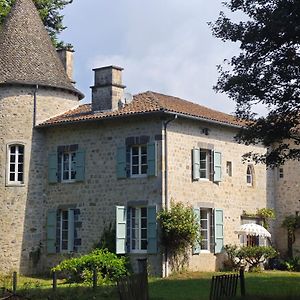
point(187, 286)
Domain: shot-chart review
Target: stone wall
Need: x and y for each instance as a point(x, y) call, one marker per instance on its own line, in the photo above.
point(21, 205)
point(287, 199)
point(232, 194)
point(101, 191)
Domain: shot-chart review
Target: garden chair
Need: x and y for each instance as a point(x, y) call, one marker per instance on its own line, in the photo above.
point(225, 286)
point(134, 287)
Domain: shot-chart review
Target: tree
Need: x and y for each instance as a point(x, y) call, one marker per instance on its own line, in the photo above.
point(50, 14)
point(267, 71)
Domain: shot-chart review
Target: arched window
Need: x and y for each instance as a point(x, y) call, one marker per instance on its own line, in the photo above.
point(16, 164)
point(250, 175)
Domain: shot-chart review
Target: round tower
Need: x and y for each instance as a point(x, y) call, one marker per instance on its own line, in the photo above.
point(34, 86)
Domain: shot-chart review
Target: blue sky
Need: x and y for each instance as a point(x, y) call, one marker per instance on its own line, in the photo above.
point(163, 45)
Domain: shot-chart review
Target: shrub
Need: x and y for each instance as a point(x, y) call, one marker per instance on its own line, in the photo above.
point(292, 264)
point(234, 261)
point(179, 231)
point(253, 255)
point(108, 265)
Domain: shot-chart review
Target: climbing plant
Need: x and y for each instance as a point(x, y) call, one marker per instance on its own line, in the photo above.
point(291, 223)
point(180, 231)
point(265, 214)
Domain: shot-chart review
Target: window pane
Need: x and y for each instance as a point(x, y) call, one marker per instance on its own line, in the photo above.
point(20, 168)
point(135, 170)
point(12, 167)
point(144, 223)
point(135, 160)
point(65, 214)
point(21, 158)
point(20, 177)
point(144, 234)
point(133, 243)
point(21, 149)
point(144, 159)
point(12, 158)
point(65, 235)
point(13, 149)
point(144, 245)
point(143, 150)
point(144, 212)
point(135, 150)
point(12, 177)
point(203, 155)
point(204, 245)
point(64, 245)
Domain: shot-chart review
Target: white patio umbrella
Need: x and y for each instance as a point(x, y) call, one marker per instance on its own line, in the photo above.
point(254, 230)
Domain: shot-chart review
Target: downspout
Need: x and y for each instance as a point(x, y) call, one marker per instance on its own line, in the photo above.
point(166, 204)
point(34, 104)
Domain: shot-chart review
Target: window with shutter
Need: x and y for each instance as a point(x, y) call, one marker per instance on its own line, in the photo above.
point(197, 246)
point(217, 166)
point(51, 231)
point(121, 222)
point(219, 230)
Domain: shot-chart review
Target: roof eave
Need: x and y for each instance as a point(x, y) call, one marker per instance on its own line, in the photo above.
point(158, 112)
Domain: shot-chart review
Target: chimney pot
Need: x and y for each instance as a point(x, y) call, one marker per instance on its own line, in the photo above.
point(66, 57)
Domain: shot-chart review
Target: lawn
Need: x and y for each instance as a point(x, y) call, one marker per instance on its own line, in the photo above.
point(187, 286)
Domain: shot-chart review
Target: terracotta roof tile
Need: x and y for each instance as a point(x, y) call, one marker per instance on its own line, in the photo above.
point(148, 102)
point(27, 55)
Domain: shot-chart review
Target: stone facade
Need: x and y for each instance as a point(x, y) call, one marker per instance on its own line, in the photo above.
point(231, 194)
point(21, 204)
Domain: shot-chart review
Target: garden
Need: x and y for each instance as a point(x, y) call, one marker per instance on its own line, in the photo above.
point(95, 275)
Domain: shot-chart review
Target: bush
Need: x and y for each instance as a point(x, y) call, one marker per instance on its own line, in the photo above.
point(253, 255)
point(108, 265)
point(179, 232)
point(292, 264)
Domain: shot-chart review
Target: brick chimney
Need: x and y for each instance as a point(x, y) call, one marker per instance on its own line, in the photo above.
point(66, 57)
point(108, 89)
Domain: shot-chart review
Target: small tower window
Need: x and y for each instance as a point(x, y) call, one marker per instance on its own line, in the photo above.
point(16, 164)
point(250, 175)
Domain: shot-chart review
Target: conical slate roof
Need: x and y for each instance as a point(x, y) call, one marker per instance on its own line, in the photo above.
point(27, 55)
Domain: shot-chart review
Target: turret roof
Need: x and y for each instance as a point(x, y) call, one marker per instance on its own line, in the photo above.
point(27, 55)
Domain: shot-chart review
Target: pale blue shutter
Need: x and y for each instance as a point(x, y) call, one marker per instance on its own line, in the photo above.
point(52, 167)
point(219, 230)
point(151, 230)
point(80, 165)
point(196, 163)
point(152, 159)
point(121, 162)
point(197, 246)
point(121, 217)
point(217, 166)
point(71, 230)
point(51, 231)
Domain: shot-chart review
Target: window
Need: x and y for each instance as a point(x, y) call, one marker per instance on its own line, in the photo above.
point(206, 229)
point(16, 164)
point(138, 229)
point(68, 166)
point(207, 165)
point(204, 164)
point(250, 175)
point(138, 160)
point(280, 173)
point(62, 224)
point(211, 224)
point(229, 168)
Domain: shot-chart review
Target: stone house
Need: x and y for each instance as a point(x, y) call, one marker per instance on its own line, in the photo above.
point(68, 171)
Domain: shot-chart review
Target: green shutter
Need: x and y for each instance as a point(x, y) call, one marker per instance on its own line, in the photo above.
point(121, 162)
point(80, 165)
point(217, 166)
point(51, 231)
point(121, 216)
point(151, 230)
point(152, 159)
point(52, 167)
point(71, 230)
point(196, 163)
point(197, 246)
point(219, 230)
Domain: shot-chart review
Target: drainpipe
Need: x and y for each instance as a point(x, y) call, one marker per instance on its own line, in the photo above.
point(166, 204)
point(34, 104)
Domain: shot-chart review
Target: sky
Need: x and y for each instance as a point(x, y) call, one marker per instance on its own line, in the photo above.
point(164, 46)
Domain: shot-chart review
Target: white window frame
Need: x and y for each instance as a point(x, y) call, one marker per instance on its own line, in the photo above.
point(209, 229)
point(61, 231)
point(69, 179)
point(15, 182)
point(250, 175)
point(138, 227)
point(207, 164)
point(140, 174)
